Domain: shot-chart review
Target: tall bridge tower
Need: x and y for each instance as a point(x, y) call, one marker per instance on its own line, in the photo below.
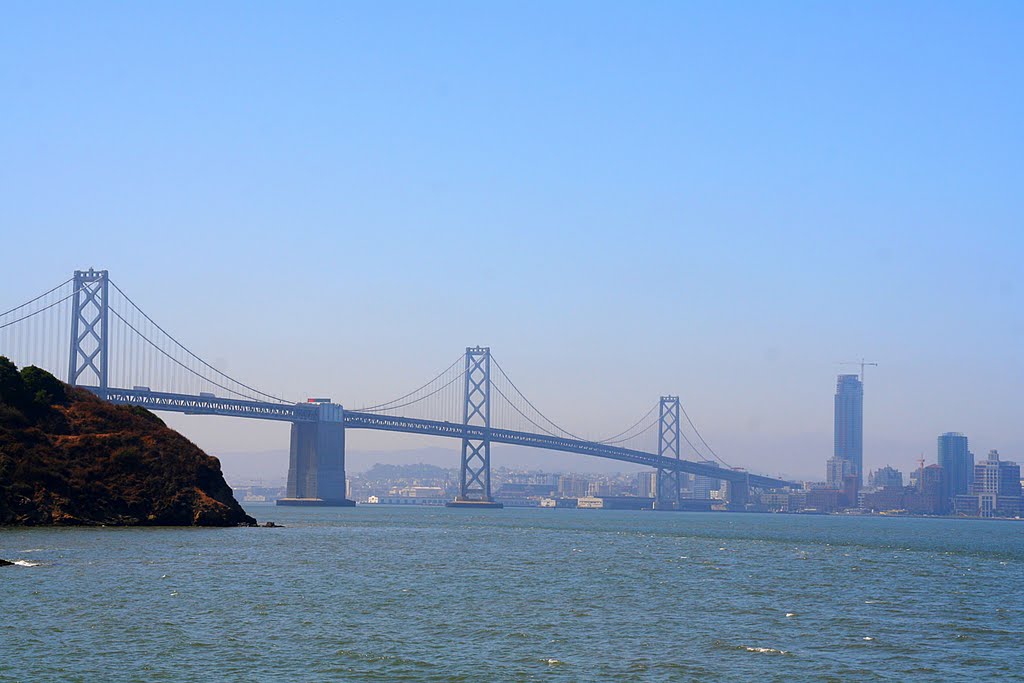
point(475, 467)
point(90, 321)
point(667, 485)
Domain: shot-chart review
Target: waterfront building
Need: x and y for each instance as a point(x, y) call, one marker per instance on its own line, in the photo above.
point(886, 476)
point(776, 501)
point(927, 497)
point(849, 423)
point(851, 491)
point(885, 499)
point(572, 486)
point(646, 483)
point(704, 486)
point(524, 490)
point(995, 491)
point(822, 500)
point(958, 463)
point(836, 472)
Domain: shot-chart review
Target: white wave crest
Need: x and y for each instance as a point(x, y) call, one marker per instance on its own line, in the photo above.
point(767, 650)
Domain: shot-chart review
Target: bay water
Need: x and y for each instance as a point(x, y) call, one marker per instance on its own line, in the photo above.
point(379, 593)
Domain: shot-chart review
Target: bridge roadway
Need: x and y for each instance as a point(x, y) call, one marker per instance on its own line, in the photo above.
point(307, 412)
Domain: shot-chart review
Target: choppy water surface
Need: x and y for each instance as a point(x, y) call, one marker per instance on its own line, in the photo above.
point(391, 594)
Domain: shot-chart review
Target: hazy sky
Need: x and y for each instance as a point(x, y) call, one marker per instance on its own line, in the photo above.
point(719, 200)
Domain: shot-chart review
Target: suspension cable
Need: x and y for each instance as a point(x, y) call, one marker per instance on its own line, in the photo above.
point(422, 398)
point(37, 298)
point(37, 312)
point(697, 432)
point(527, 417)
point(690, 443)
point(611, 439)
point(186, 350)
point(610, 442)
point(400, 398)
point(542, 415)
point(178, 362)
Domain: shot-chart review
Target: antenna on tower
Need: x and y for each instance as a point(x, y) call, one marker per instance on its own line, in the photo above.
point(862, 363)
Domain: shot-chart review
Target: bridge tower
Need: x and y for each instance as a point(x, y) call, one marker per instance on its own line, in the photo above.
point(89, 357)
point(667, 481)
point(475, 468)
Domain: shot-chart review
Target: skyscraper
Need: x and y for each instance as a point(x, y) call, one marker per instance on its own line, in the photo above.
point(849, 423)
point(958, 464)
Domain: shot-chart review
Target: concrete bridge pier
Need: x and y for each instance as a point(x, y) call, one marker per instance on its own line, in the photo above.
point(738, 494)
point(316, 461)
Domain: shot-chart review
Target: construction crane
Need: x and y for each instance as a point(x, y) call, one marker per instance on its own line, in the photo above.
point(862, 363)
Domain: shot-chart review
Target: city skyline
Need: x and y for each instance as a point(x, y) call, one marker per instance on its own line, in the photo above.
point(670, 210)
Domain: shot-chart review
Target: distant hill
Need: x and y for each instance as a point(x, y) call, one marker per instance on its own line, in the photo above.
point(388, 472)
point(69, 458)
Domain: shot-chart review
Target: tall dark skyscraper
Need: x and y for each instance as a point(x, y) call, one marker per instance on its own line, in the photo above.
point(958, 465)
point(849, 423)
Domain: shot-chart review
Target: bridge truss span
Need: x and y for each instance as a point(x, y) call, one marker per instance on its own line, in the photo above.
point(209, 405)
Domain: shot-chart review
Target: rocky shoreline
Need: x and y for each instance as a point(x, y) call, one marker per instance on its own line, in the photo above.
point(68, 458)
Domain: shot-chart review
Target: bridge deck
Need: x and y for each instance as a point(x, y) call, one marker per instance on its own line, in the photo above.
point(306, 412)
point(358, 420)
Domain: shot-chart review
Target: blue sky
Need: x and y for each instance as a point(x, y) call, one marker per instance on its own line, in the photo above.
point(621, 199)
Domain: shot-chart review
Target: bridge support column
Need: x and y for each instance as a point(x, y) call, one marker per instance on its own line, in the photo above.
point(475, 468)
point(88, 360)
point(667, 484)
point(316, 461)
point(738, 494)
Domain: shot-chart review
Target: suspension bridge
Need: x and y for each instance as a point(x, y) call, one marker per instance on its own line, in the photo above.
point(90, 334)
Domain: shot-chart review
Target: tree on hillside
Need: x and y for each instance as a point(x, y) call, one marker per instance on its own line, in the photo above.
point(13, 391)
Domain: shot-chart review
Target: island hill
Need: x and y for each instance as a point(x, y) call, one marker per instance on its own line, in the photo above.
point(70, 458)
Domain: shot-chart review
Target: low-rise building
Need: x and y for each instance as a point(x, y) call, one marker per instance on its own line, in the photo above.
point(776, 501)
point(885, 499)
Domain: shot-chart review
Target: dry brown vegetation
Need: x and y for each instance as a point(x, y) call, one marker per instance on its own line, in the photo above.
point(67, 457)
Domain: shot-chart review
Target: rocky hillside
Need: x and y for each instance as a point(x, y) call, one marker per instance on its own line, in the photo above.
point(69, 458)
